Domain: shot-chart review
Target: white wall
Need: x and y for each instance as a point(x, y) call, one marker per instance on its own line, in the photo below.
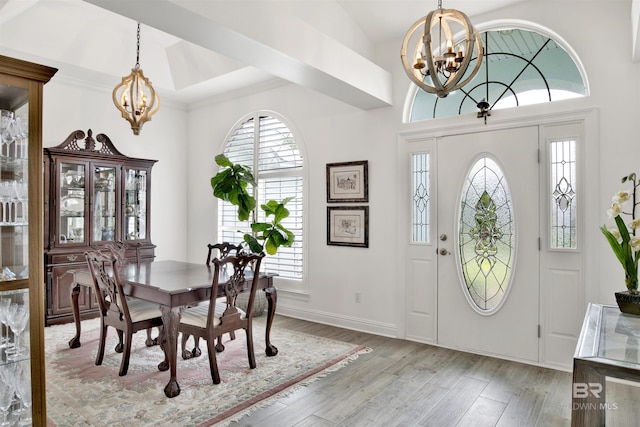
point(69, 106)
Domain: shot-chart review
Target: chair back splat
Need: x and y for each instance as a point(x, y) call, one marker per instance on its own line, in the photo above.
point(232, 275)
point(126, 315)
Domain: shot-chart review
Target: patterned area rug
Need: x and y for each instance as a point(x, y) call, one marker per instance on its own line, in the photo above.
point(79, 393)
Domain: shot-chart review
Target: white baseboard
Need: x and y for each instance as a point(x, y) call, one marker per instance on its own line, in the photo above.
point(347, 322)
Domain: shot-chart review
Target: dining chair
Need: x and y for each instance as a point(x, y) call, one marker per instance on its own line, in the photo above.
point(119, 248)
point(224, 249)
point(126, 315)
point(209, 321)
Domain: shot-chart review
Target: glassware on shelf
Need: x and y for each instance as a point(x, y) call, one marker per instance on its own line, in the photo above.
point(72, 203)
point(4, 307)
point(18, 322)
point(6, 399)
point(23, 392)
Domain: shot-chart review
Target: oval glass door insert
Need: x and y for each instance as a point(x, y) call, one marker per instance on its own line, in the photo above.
point(486, 236)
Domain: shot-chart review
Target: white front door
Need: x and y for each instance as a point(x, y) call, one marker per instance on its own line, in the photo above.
point(494, 249)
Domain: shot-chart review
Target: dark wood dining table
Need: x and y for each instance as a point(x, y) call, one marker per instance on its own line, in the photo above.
point(172, 285)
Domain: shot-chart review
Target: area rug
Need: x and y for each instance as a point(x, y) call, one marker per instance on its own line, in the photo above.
point(79, 393)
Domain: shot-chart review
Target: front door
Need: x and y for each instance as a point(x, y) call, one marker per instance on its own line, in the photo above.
point(488, 242)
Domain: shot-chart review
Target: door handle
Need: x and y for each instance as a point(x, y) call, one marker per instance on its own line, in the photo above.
point(443, 251)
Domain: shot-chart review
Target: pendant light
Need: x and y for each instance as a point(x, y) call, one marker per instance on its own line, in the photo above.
point(135, 97)
point(436, 57)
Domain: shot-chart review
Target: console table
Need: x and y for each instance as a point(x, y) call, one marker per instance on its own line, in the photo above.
point(608, 347)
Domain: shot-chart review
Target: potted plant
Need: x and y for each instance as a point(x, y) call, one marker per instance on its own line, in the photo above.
point(230, 184)
point(625, 244)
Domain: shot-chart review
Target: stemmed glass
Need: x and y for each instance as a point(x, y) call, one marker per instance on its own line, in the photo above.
point(5, 201)
point(6, 399)
point(18, 322)
point(4, 308)
point(23, 392)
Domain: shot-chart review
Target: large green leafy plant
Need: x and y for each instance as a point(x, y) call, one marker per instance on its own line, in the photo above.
point(622, 239)
point(231, 184)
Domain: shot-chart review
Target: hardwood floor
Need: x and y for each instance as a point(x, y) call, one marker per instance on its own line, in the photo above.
point(401, 383)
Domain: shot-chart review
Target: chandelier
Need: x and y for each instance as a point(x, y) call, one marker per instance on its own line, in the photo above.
point(435, 58)
point(135, 97)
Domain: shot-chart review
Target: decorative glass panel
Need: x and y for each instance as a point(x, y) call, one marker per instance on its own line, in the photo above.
point(563, 195)
point(421, 201)
point(104, 203)
point(135, 208)
point(520, 67)
point(72, 203)
point(486, 235)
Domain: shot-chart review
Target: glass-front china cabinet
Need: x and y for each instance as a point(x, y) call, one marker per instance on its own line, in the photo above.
point(93, 195)
point(22, 379)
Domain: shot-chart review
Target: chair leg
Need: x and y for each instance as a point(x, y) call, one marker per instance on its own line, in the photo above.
point(186, 354)
point(219, 345)
point(232, 335)
point(118, 348)
point(124, 364)
point(213, 363)
point(196, 352)
point(149, 342)
point(101, 344)
point(250, 353)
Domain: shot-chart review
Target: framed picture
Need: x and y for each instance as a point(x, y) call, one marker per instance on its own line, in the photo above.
point(348, 226)
point(348, 182)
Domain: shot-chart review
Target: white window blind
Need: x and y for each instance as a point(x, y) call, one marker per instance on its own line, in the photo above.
point(270, 149)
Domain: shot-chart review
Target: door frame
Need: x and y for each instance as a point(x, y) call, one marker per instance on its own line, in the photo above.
point(537, 115)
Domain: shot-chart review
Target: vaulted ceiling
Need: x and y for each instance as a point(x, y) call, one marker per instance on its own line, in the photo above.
point(194, 50)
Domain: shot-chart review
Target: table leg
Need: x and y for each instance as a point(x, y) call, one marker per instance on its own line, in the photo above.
point(75, 292)
point(272, 299)
point(169, 344)
point(588, 396)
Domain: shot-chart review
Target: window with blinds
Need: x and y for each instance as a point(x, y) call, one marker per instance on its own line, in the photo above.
point(267, 145)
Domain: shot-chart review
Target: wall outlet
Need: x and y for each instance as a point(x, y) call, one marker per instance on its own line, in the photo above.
point(357, 296)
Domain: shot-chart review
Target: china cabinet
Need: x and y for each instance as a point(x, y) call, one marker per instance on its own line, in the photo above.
point(93, 195)
point(22, 384)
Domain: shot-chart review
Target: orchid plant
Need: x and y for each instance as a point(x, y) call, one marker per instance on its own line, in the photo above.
point(622, 238)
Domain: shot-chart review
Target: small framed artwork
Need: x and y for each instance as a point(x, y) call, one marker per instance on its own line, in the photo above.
point(348, 182)
point(348, 226)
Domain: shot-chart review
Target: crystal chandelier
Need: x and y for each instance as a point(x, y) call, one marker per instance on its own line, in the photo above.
point(135, 97)
point(435, 58)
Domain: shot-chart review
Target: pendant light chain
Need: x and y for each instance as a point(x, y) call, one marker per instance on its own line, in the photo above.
point(138, 48)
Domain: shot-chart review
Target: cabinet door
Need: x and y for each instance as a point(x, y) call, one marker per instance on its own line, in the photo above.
point(104, 203)
point(136, 218)
point(72, 203)
point(59, 293)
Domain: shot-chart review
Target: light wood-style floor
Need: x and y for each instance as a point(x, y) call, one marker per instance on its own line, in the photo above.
point(401, 383)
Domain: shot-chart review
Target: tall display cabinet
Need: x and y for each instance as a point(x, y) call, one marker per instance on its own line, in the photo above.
point(94, 195)
point(21, 229)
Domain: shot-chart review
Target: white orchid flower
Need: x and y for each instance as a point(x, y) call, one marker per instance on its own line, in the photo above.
point(635, 243)
point(634, 224)
point(615, 210)
point(620, 197)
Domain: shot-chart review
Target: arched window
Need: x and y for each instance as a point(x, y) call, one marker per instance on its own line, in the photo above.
point(268, 146)
point(520, 67)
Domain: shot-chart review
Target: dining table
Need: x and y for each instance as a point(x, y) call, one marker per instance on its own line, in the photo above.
point(173, 285)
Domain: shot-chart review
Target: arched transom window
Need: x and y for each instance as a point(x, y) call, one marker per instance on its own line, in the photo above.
point(520, 67)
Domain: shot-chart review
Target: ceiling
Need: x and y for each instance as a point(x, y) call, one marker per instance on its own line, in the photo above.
point(194, 50)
